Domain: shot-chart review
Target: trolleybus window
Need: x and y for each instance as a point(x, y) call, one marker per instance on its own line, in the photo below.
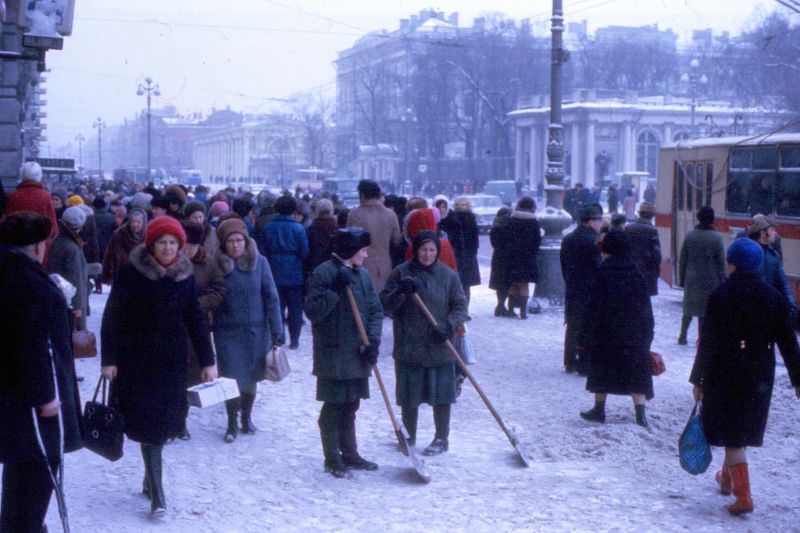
point(751, 180)
point(790, 158)
point(788, 194)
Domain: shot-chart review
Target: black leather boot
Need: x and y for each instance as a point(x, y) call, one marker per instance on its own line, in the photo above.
point(232, 408)
point(685, 321)
point(596, 413)
point(641, 417)
point(248, 428)
point(333, 458)
point(410, 415)
point(151, 454)
point(349, 446)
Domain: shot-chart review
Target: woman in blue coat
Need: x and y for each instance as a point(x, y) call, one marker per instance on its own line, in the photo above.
point(248, 321)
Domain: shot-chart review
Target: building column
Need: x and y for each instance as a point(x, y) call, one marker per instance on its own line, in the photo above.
point(575, 152)
point(626, 147)
point(519, 157)
point(666, 134)
point(533, 159)
point(590, 154)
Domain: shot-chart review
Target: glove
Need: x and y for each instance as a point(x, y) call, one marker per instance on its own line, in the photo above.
point(439, 333)
point(369, 354)
point(341, 281)
point(408, 285)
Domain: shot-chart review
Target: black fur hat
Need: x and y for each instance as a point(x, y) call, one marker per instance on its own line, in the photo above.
point(348, 241)
point(24, 228)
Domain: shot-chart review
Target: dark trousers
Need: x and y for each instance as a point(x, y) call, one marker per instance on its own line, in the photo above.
point(291, 299)
point(26, 495)
point(574, 360)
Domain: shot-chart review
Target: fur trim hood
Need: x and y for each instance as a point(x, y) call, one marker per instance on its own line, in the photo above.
point(143, 261)
point(524, 215)
point(247, 262)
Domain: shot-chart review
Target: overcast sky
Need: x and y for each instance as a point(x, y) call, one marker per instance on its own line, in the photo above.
point(203, 55)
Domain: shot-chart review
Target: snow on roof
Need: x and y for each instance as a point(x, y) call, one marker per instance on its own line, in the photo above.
point(637, 106)
point(434, 24)
point(741, 140)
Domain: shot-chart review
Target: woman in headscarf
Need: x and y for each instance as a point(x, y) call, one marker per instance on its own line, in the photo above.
point(247, 322)
point(124, 239)
point(617, 331)
point(424, 366)
point(151, 316)
point(427, 219)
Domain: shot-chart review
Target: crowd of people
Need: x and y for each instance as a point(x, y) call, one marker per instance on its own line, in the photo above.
point(205, 285)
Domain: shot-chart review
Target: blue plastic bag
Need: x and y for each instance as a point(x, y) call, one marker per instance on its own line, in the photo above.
point(693, 448)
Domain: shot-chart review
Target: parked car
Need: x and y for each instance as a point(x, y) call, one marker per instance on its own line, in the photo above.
point(485, 207)
point(505, 189)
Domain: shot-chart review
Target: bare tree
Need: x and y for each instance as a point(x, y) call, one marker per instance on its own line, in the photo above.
point(314, 112)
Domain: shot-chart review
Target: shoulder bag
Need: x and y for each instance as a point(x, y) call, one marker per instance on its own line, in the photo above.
point(103, 426)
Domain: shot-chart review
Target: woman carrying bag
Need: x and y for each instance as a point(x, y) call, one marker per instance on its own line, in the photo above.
point(247, 323)
point(341, 363)
point(152, 306)
point(734, 369)
point(424, 366)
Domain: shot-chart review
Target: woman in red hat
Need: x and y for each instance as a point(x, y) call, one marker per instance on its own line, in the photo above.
point(152, 305)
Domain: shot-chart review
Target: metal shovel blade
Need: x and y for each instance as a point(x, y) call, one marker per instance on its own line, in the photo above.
point(417, 463)
point(521, 452)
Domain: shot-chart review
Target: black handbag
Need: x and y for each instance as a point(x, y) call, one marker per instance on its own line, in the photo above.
point(103, 426)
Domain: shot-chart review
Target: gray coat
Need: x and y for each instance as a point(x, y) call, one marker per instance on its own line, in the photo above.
point(701, 269)
point(67, 259)
point(248, 321)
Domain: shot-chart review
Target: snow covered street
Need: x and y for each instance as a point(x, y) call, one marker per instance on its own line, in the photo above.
point(583, 476)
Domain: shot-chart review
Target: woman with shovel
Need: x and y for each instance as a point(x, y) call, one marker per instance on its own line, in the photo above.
point(342, 363)
point(424, 365)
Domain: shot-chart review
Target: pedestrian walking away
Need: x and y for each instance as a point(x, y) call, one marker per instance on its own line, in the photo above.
point(645, 246)
point(152, 307)
point(247, 323)
point(461, 227)
point(701, 267)
point(36, 374)
point(342, 364)
point(524, 238)
point(498, 278)
point(617, 331)
point(734, 370)
point(424, 366)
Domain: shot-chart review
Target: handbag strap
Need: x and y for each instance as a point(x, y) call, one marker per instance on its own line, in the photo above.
point(104, 396)
point(695, 408)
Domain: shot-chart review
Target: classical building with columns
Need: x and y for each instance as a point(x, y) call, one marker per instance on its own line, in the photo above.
point(604, 136)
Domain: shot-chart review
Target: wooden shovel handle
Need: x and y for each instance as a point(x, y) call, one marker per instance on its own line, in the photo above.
point(362, 333)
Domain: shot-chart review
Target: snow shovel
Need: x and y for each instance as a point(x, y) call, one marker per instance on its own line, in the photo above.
point(512, 437)
point(399, 429)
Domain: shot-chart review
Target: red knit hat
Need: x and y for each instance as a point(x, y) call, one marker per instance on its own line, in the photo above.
point(164, 225)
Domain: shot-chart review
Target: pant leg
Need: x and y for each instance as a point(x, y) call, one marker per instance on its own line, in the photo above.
point(294, 302)
point(282, 300)
point(570, 348)
point(466, 292)
point(26, 496)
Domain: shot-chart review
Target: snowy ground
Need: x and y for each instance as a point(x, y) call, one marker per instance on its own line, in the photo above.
point(583, 477)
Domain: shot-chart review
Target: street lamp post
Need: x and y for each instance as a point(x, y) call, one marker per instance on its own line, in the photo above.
point(99, 124)
point(150, 89)
point(408, 118)
point(553, 219)
point(80, 138)
point(693, 78)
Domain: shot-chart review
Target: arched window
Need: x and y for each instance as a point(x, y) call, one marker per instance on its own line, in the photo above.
point(647, 152)
point(680, 136)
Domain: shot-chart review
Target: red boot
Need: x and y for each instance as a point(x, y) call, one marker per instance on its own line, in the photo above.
point(741, 489)
point(723, 477)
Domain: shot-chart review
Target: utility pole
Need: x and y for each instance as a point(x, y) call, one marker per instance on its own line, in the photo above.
point(148, 88)
point(693, 78)
point(99, 124)
point(80, 138)
point(553, 219)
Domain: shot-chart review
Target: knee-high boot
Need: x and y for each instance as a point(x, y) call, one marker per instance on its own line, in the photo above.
point(248, 399)
point(441, 419)
point(329, 423)
point(151, 455)
point(686, 320)
point(348, 443)
point(410, 415)
point(232, 408)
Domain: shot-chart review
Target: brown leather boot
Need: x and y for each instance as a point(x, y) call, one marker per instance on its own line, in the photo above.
point(723, 478)
point(741, 489)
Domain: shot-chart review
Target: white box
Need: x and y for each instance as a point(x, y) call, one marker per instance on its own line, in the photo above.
point(213, 392)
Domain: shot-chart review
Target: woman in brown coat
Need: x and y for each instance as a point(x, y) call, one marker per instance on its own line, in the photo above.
point(123, 240)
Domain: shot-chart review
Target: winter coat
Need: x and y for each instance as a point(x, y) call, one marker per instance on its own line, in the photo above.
point(384, 232)
point(88, 234)
point(646, 250)
point(700, 269)
point(735, 363)
point(105, 222)
point(462, 232)
point(119, 249)
point(440, 289)
point(210, 286)
point(149, 312)
point(285, 245)
point(524, 239)
point(773, 275)
point(336, 341)
point(67, 259)
point(617, 329)
point(320, 241)
point(35, 319)
point(580, 257)
point(32, 196)
point(498, 278)
point(424, 220)
point(247, 322)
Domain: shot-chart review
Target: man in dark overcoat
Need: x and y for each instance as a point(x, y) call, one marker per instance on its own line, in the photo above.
point(37, 376)
point(734, 369)
point(580, 257)
point(645, 246)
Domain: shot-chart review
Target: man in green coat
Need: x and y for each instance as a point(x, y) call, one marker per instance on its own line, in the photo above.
point(701, 268)
point(341, 363)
